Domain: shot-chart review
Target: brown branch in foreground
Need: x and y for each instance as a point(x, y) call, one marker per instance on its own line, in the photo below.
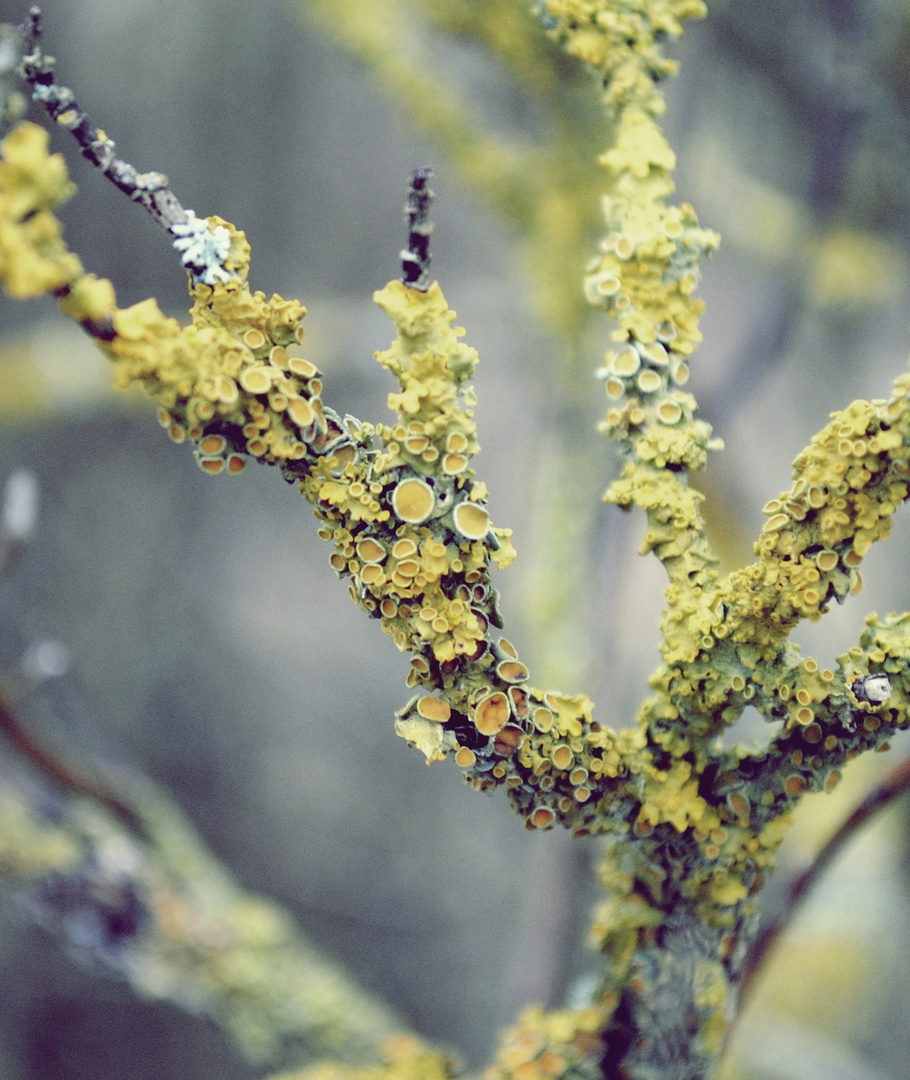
point(895, 784)
point(49, 764)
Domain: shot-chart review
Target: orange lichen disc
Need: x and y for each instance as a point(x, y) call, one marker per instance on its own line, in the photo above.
point(342, 457)
point(739, 804)
point(434, 708)
point(492, 713)
point(213, 444)
point(372, 574)
point(471, 520)
point(226, 389)
point(256, 380)
point(827, 560)
point(626, 362)
point(301, 412)
point(512, 671)
point(302, 367)
point(543, 817)
point(506, 646)
point(370, 550)
point(519, 701)
point(452, 464)
point(649, 381)
point(403, 548)
point(413, 500)
point(669, 412)
point(543, 719)
point(794, 785)
point(562, 756)
point(508, 740)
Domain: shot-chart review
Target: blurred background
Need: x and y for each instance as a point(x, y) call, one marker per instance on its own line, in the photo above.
point(211, 647)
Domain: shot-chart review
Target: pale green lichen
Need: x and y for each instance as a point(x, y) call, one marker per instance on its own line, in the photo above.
point(403, 1058)
point(550, 1045)
point(31, 848)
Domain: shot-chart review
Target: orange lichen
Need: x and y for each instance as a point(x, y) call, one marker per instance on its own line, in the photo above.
point(492, 713)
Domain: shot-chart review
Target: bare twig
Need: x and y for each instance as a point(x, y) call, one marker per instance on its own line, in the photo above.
point(203, 249)
point(415, 259)
point(895, 784)
point(149, 189)
point(62, 772)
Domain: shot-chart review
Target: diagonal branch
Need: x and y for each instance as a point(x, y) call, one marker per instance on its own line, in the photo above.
point(150, 190)
point(204, 250)
point(894, 785)
point(59, 770)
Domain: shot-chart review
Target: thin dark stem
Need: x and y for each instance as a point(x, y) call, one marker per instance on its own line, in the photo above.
point(63, 773)
point(895, 784)
point(203, 249)
point(150, 189)
point(415, 260)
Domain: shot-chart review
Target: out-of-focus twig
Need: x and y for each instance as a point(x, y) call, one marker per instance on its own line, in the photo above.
point(895, 784)
point(18, 515)
point(64, 773)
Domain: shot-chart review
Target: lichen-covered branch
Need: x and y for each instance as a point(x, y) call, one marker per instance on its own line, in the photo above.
point(691, 827)
point(110, 866)
point(161, 913)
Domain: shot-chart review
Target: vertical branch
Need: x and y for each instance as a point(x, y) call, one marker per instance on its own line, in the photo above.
point(415, 259)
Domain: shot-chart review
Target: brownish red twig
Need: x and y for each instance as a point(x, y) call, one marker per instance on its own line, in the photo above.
point(895, 784)
point(63, 773)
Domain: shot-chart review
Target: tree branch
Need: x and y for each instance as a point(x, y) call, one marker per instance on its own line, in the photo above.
point(775, 922)
point(54, 767)
point(204, 250)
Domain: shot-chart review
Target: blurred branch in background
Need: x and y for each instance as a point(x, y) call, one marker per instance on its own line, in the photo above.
point(775, 921)
point(119, 874)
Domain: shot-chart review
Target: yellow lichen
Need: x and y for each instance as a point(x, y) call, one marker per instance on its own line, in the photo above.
point(33, 183)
